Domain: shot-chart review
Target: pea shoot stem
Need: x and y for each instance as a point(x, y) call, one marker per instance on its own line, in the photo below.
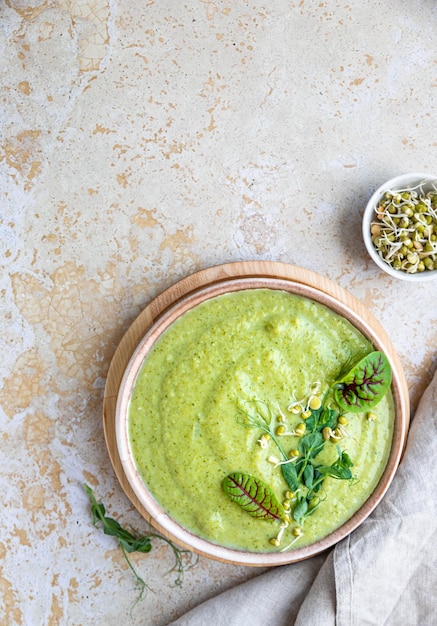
point(128, 543)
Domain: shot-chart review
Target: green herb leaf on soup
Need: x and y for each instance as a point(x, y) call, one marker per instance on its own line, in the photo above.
point(310, 445)
point(365, 384)
point(301, 509)
point(253, 496)
point(290, 476)
point(340, 468)
point(308, 476)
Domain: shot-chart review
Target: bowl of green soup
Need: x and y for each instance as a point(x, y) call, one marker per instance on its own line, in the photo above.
point(258, 413)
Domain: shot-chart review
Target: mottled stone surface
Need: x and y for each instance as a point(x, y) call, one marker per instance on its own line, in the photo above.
point(141, 141)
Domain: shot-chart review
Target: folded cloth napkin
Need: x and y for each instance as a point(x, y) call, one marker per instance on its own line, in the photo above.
point(384, 573)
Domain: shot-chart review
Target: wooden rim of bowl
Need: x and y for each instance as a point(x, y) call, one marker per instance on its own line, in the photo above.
point(175, 301)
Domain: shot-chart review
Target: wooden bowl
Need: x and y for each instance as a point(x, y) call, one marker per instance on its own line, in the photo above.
point(160, 314)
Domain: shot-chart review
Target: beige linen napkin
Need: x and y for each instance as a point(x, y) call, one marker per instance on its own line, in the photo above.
point(384, 573)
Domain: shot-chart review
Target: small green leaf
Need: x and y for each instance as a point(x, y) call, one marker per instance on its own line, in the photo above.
point(310, 445)
point(317, 480)
point(365, 384)
point(301, 509)
point(253, 496)
point(340, 469)
point(313, 420)
point(290, 475)
point(143, 545)
point(308, 476)
point(320, 418)
point(327, 419)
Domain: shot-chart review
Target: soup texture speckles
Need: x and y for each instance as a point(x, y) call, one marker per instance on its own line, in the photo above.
point(230, 355)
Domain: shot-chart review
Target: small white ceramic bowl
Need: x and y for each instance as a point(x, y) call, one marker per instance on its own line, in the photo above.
point(427, 182)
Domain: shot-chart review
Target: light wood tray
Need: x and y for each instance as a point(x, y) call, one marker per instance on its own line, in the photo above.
point(211, 278)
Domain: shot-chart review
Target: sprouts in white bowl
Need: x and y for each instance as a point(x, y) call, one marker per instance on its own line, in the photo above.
point(400, 227)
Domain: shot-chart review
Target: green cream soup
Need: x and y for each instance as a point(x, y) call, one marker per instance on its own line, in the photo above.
point(235, 355)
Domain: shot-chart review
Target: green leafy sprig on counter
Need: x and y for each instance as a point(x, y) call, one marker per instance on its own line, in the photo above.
point(357, 388)
point(129, 543)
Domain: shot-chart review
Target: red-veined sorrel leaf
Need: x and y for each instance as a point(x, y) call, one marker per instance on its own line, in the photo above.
point(365, 384)
point(253, 496)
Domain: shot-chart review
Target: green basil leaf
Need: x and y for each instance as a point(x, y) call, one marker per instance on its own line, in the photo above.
point(253, 496)
point(365, 384)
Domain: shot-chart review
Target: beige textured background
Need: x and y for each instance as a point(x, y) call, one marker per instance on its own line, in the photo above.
point(141, 141)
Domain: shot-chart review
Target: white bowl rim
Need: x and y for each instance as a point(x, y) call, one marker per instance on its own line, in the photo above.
point(173, 528)
point(397, 183)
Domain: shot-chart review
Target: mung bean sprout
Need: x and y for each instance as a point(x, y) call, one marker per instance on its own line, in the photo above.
point(405, 229)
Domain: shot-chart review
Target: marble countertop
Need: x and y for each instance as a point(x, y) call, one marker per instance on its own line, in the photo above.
point(141, 141)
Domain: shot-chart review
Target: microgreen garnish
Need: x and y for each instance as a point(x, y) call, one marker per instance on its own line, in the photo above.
point(130, 543)
point(257, 414)
point(340, 468)
point(253, 495)
point(359, 387)
point(365, 384)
